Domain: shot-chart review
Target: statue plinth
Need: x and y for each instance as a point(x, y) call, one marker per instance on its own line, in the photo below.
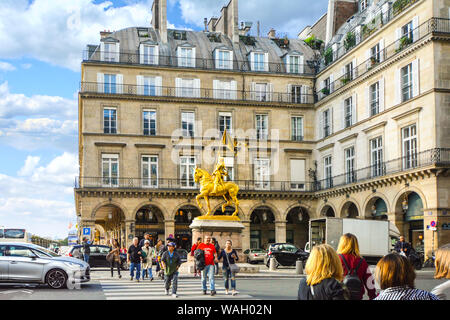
point(222, 228)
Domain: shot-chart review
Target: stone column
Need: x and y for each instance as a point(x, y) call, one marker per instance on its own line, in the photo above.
point(130, 229)
point(246, 235)
point(169, 228)
point(280, 231)
point(87, 223)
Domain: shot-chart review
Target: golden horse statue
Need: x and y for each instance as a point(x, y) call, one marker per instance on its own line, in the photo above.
point(227, 190)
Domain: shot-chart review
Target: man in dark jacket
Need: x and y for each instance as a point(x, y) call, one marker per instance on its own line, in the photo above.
point(86, 246)
point(217, 246)
point(327, 289)
point(146, 237)
point(163, 249)
point(403, 246)
point(170, 262)
point(135, 258)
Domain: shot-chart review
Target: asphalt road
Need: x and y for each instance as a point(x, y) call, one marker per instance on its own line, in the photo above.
point(189, 288)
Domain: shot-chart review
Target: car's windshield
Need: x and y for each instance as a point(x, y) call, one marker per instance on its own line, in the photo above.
point(290, 248)
point(41, 250)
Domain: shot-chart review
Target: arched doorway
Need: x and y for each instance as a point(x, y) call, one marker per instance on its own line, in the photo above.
point(150, 219)
point(297, 227)
point(110, 224)
point(349, 210)
point(411, 205)
point(327, 211)
point(262, 228)
point(183, 219)
point(376, 209)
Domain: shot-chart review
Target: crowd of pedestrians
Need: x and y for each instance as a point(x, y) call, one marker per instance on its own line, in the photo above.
point(345, 275)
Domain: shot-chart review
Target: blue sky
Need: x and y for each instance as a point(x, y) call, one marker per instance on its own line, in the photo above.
point(39, 80)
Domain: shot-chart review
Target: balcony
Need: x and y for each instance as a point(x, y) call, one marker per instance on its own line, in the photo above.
point(434, 25)
point(158, 61)
point(194, 93)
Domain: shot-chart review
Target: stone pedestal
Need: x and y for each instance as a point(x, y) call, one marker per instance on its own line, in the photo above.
point(221, 230)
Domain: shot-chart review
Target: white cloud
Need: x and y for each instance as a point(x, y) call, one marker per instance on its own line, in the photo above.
point(5, 66)
point(26, 66)
point(56, 31)
point(41, 199)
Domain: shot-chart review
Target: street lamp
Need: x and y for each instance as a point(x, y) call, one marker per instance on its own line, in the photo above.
point(150, 215)
point(374, 210)
point(189, 215)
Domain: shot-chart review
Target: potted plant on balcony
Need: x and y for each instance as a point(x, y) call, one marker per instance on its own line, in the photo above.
point(403, 43)
point(349, 41)
point(400, 5)
point(345, 80)
point(325, 91)
point(328, 55)
point(313, 43)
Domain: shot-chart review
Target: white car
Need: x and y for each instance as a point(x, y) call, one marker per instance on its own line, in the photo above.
point(29, 263)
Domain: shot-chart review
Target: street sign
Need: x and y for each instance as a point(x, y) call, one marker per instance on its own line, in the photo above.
point(86, 231)
point(433, 224)
point(433, 228)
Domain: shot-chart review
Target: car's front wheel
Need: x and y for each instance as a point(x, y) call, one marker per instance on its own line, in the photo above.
point(56, 279)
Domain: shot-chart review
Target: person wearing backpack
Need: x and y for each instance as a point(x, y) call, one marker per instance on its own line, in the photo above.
point(324, 276)
point(357, 275)
point(194, 247)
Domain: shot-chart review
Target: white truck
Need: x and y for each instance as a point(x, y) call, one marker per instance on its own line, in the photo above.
point(375, 237)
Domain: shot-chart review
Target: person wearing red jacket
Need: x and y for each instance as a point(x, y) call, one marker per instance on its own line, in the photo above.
point(348, 248)
point(194, 247)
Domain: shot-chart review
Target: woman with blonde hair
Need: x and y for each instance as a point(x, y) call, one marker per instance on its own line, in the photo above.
point(324, 276)
point(354, 264)
point(395, 275)
point(442, 271)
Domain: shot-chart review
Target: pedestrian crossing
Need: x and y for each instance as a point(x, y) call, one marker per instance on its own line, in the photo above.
point(188, 289)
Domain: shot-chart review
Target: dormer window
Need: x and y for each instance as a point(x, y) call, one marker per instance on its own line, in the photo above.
point(259, 61)
point(149, 54)
point(294, 63)
point(109, 50)
point(186, 57)
point(363, 4)
point(223, 59)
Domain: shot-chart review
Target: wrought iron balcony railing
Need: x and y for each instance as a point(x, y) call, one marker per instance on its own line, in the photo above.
point(434, 25)
point(437, 156)
point(135, 58)
point(194, 93)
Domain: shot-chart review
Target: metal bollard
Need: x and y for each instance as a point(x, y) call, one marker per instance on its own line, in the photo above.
point(299, 267)
point(272, 264)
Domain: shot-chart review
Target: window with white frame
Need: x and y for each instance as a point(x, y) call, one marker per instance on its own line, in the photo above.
point(261, 92)
point(225, 122)
point(297, 174)
point(262, 126)
point(407, 82)
point(262, 174)
point(188, 88)
point(224, 59)
point(110, 84)
point(326, 129)
point(109, 120)
point(110, 52)
point(363, 4)
point(376, 156)
point(409, 147)
point(149, 84)
point(326, 86)
point(297, 128)
point(110, 170)
point(349, 71)
point(327, 166)
point(188, 123)
point(229, 165)
point(375, 53)
point(259, 61)
point(186, 57)
point(348, 112)
point(187, 171)
point(226, 90)
point(295, 64)
point(149, 171)
point(150, 54)
point(149, 125)
point(408, 30)
point(296, 92)
point(350, 174)
point(374, 93)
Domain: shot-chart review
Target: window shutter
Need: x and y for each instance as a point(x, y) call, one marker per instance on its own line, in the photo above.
point(321, 125)
point(234, 89)
point(415, 26)
point(197, 88)
point(193, 59)
point(117, 52)
point(287, 61)
point(398, 87)
point(216, 89)
point(368, 63)
point(398, 35)
point(321, 86)
point(100, 82)
point(355, 69)
point(381, 44)
point(416, 80)
point(141, 53)
point(289, 93)
point(331, 83)
point(343, 71)
point(354, 108)
point(266, 62)
point(159, 88)
point(269, 92)
point(381, 93)
point(231, 62)
point(119, 84)
point(140, 85)
point(253, 91)
point(343, 113)
point(331, 120)
point(305, 97)
point(368, 101)
point(102, 51)
point(178, 84)
point(252, 60)
point(156, 57)
point(302, 66)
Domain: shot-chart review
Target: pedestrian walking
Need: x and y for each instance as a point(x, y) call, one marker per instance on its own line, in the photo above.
point(158, 248)
point(229, 256)
point(148, 253)
point(210, 258)
point(86, 249)
point(115, 259)
point(170, 263)
point(146, 237)
point(324, 275)
point(357, 275)
point(395, 275)
point(217, 246)
point(194, 247)
point(164, 248)
point(442, 263)
point(135, 259)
